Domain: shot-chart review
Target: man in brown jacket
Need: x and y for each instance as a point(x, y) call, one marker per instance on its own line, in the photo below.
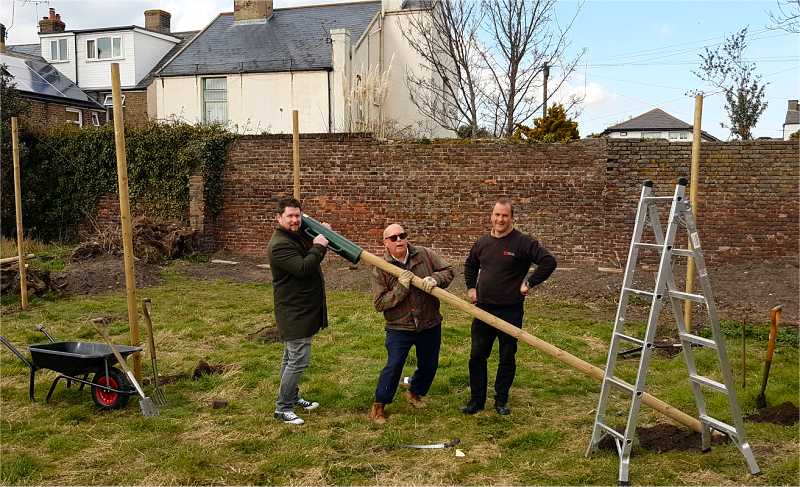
point(412, 318)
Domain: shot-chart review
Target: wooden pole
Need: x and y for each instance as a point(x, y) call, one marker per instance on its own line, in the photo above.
point(694, 176)
point(23, 282)
point(125, 216)
point(541, 345)
point(296, 153)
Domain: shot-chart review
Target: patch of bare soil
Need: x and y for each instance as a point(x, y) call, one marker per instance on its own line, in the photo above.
point(743, 291)
point(104, 274)
point(665, 437)
point(784, 414)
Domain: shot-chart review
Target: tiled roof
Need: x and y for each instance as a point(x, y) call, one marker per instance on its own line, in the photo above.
point(655, 119)
point(292, 39)
point(25, 49)
point(184, 37)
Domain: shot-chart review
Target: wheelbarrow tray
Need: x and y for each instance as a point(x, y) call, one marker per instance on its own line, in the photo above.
point(76, 358)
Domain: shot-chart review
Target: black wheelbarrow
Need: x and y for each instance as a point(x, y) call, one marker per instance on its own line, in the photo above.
point(75, 361)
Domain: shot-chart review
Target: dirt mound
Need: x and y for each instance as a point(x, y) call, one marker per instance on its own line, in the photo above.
point(152, 241)
point(39, 282)
point(104, 274)
point(784, 414)
point(664, 437)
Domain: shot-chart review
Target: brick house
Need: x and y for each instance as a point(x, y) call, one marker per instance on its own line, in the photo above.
point(54, 98)
point(84, 56)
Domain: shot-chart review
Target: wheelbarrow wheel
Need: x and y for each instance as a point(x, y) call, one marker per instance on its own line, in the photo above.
point(108, 399)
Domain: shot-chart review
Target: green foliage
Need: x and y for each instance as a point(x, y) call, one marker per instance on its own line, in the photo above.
point(725, 68)
point(555, 127)
point(68, 169)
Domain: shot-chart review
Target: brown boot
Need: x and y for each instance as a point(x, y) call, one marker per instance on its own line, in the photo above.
point(377, 415)
point(415, 400)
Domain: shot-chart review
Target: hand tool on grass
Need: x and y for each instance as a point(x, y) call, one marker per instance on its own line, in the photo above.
point(435, 446)
point(775, 315)
point(145, 403)
point(158, 393)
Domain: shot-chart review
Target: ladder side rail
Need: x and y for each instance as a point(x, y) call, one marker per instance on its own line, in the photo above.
point(688, 354)
point(705, 282)
point(619, 320)
point(652, 325)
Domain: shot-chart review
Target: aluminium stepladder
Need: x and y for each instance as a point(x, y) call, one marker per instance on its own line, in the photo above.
point(680, 215)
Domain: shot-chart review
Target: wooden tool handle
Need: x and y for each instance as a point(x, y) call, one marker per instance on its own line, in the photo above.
point(149, 324)
point(775, 315)
point(113, 348)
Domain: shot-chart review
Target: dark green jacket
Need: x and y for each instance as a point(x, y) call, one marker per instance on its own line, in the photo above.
point(298, 284)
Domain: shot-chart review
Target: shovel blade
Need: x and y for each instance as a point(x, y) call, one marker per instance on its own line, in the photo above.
point(148, 408)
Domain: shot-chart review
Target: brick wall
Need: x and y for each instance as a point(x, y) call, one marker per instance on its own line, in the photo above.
point(49, 114)
point(135, 110)
point(579, 199)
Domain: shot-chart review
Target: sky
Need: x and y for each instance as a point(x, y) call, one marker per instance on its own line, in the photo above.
point(639, 54)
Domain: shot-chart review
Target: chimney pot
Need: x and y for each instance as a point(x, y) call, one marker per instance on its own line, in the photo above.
point(51, 24)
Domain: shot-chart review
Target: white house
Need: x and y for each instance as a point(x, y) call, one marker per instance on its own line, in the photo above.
point(792, 122)
point(655, 124)
point(251, 68)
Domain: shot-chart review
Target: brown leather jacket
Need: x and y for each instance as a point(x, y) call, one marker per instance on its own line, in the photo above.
point(411, 309)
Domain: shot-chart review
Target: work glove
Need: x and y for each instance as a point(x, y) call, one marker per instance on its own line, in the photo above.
point(405, 279)
point(428, 284)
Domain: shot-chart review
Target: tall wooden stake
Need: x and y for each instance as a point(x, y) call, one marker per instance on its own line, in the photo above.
point(23, 282)
point(125, 215)
point(296, 153)
point(694, 176)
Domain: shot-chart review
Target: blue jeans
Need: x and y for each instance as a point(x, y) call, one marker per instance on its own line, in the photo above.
point(398, 344)
point(296, 355)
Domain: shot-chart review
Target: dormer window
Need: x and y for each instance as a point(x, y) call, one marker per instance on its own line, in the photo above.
point(104, 47)
point(58, 50)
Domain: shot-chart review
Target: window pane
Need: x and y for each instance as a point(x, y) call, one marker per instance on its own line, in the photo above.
point(90, 49)
point(53, 50)
point(215, 83)
point(215, 96)
point(103, 47)
point(117, 46)
point(216, 112)
point(62, 49)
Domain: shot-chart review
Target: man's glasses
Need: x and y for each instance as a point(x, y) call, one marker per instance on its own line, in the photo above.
point(399, 236)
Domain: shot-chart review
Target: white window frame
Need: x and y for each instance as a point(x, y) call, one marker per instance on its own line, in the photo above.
point(57, 55)
point(108, 101)
point(91, 52)
point(203, 99)
point(95, 119)
point(79, 123)
point(623, 134)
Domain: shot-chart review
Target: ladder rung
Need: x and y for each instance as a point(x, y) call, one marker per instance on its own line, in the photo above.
point(658, 198)
point(689, 297)
point(630, 339)
point(621, 384)
point(638, 291)
point(699, 379)
point(683, 252)
point(611, 431)
point(642, 244)
point(718, 425)
point(699, 340)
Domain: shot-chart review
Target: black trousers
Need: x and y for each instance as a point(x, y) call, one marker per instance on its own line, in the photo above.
point(483, 337)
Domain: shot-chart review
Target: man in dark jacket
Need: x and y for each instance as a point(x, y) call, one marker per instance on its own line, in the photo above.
point(300, 309)
point(412, 318)
point(496, 273)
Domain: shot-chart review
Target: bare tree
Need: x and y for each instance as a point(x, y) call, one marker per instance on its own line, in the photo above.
point(524, 38)
point(787, 17)
point(445, 87)
point(726, 69)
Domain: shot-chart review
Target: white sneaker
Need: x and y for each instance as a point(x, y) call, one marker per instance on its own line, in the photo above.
point(288, 417)
point(405, 382)
point(307, 405)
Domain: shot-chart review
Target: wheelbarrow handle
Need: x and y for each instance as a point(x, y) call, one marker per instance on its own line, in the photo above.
point(41, 328)
point(16, 352)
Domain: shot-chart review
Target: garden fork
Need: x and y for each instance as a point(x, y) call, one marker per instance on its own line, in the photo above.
point(158, 393)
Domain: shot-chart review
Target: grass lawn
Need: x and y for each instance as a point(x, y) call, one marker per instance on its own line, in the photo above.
point(69, 442)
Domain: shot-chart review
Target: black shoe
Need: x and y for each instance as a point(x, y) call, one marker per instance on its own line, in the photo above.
point(471, 408)
point(502, 409)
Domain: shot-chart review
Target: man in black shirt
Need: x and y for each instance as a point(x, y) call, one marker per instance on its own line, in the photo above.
point(497, 282)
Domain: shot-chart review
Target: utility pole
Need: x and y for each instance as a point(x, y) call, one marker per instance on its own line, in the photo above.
point(545, 75)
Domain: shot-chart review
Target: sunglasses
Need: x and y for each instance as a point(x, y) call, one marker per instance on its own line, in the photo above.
point(395, 238)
